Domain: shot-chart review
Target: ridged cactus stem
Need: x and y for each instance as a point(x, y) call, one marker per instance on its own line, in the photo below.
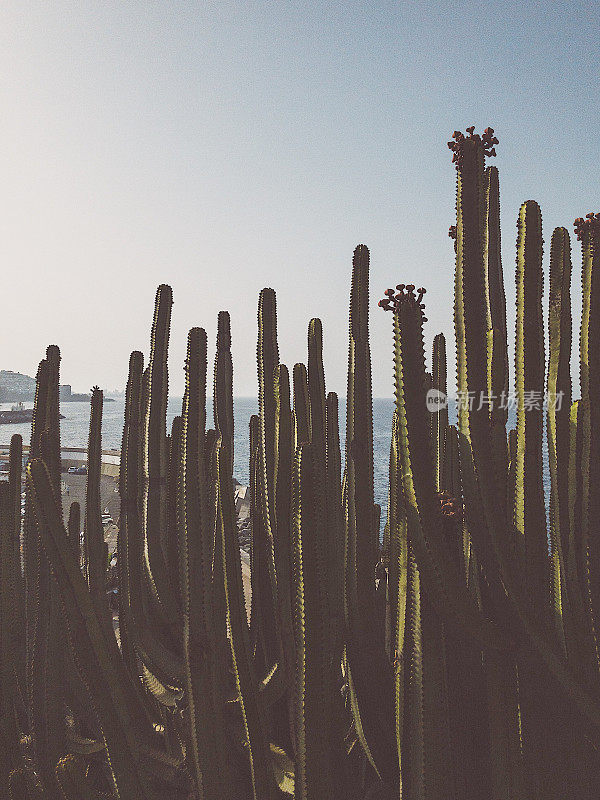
point(94, 531)
point(471, 307)
point(588, 232)
point(316, 389)
point(370, 676)
point(283, 500)
point(173, 535)
point(399, 600)
point(559, 409)
point(484, 497)
point(10, 666)
point(576, 556)
point(318, 434)
point(47, 692)
point(31, 544)
point(267, 360)
point(206, 723)
point(440, 416)
point(155, 459)
point(52, 426)
point(98, 663)
point(253, 712)
point(267, 353)
point(301, 406)
point(530, 516)
point(409, 720)
point(496, 305)
point(223, 383)
point(314, 773)
point(496, 324)
point(416, 473)
point(360, 568)
point(13, 556)
point(336, 535)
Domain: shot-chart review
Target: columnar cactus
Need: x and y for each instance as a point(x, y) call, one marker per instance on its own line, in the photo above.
point(446, 664)
point(529, 383)
point(588, 233)
point(558, 425)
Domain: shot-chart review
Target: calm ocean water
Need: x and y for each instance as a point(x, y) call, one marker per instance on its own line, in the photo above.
point(74, 433)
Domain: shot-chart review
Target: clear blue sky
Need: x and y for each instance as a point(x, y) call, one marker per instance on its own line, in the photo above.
point(226, 146)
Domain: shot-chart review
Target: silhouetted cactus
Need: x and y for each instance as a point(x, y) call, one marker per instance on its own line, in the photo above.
point(457, 662)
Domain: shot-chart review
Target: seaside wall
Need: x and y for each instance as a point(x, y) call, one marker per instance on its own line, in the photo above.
point(77, 457)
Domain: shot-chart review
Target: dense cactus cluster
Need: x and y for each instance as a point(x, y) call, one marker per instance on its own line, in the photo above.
point(457, 660)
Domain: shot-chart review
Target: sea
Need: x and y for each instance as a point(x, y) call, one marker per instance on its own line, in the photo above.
point(75, 425)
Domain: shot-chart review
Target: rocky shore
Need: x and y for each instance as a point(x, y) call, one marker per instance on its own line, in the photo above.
point(242, 510)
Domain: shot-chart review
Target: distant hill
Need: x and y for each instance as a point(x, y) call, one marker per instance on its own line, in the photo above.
point(16, 387)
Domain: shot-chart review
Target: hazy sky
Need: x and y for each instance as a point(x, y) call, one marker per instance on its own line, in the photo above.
point(226, 146)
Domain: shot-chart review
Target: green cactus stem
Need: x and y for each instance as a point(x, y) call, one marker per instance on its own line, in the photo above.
point(267, 360)
point(263, 555)
point(440, 416)
point(530, 517)
point(46, 667)
point(10, 757)
point(173, 533)
point(409, 721)
point(588, 232)
point(559, 409)
point(223, 383)
point(93, 530)
point(362, 539)
point(370, 677)
point(114, 704)
point(472, 310)
point(202, 679)
point(253, 712)
point(158, 648)
point(155, 460)
point(336, 536)
point(283, 499)
point(314, 773)
point(12, 556)
point(496, 323)
point(417, 475)
point(301, 406)
point(576, 557)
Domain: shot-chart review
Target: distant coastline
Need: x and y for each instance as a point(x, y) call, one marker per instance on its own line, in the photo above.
point(16, 387)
